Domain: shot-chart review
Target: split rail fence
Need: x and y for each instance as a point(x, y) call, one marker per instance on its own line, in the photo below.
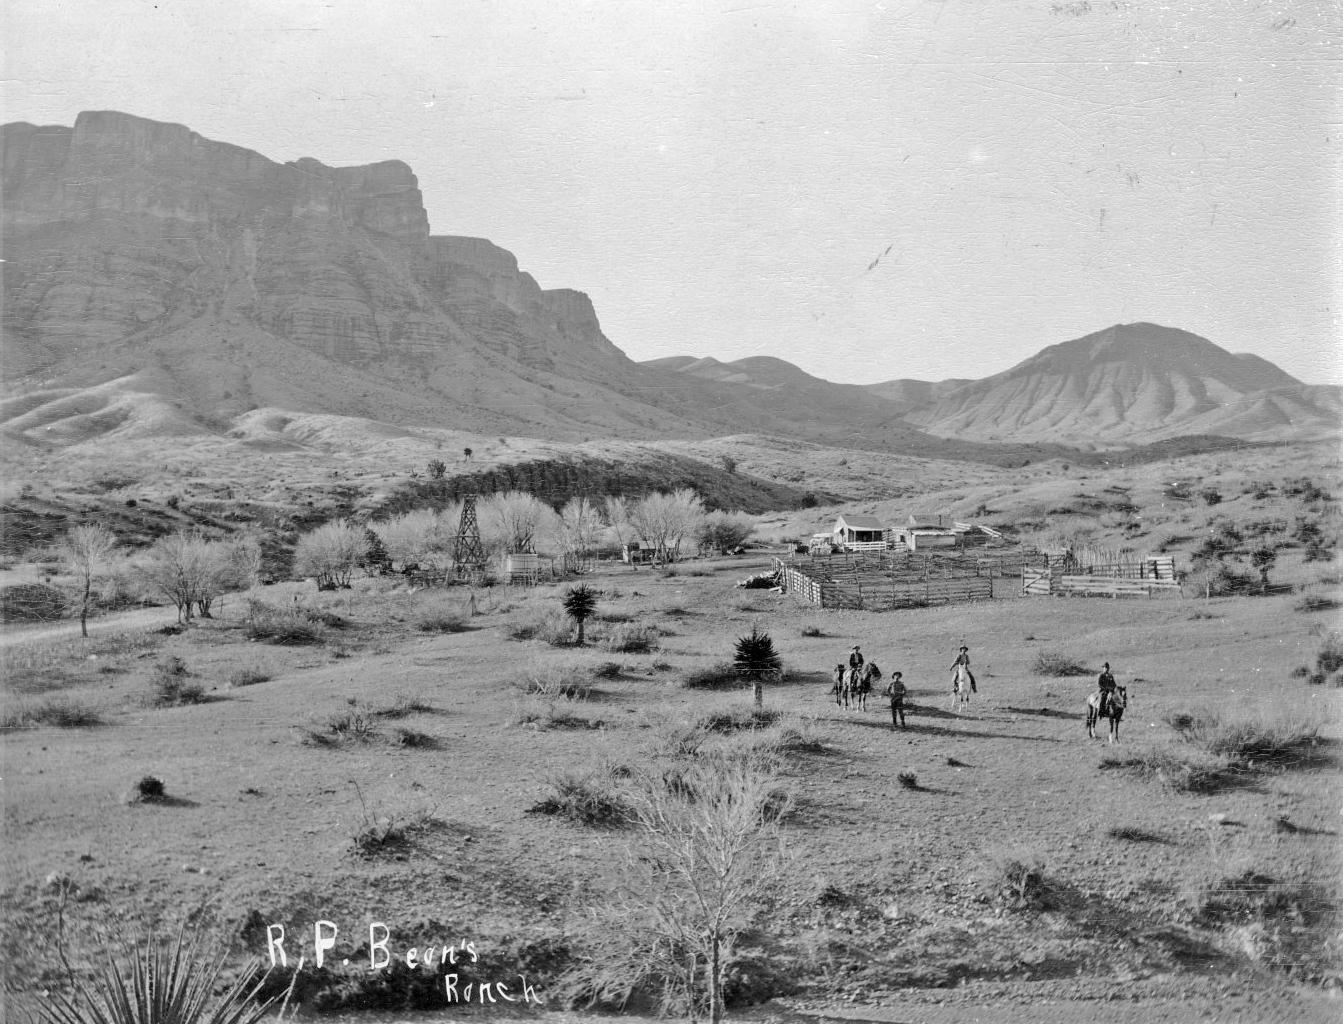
point(887, 583)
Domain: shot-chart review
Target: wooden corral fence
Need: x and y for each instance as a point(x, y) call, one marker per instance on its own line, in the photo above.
point(883, 584)
point(1045, 574)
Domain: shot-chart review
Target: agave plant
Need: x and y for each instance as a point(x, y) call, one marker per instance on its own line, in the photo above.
point(757, 661)
point(580, 603)
point(165, 985)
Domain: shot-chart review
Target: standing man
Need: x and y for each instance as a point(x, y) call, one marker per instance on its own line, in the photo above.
point(964, 659)
point(896, 691)
point(1107, 687)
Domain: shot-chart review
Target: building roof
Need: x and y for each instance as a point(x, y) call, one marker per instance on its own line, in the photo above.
point(854, 522)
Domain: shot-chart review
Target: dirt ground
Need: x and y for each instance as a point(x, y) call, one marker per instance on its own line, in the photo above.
point(891, 912)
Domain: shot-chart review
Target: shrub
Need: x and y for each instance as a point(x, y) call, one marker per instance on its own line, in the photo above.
point(909, 780)
point(1052, 663)
point(352, 725)
point(721, 675)
point(609, 670)
point(61, 713)
point(632, 640)
point(277, 627)
point(248, 677)
point(1250, 734)
point(1316, 603)
point(566, 684)
point(441, 621)
point(1183, 771)
point(1134, 834)
point(388, 831)
point(736, 720)
point(551, 626)
point(404, 705)
point(150, 788)
point(593, 800)
point(1211, 496)
point(811, 631)
point(1017, 871)
point(171, 685)
point(404, 737)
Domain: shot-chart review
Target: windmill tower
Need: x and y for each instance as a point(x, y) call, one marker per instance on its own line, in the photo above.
point(468, 555)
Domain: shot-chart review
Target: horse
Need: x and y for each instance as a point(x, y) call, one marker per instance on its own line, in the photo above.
point(841, 687)
point(960, 689)
point(863, 684)
point(1114, 711)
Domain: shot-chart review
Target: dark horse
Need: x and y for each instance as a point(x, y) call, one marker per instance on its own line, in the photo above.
point(1114, 711)
point(852, 685)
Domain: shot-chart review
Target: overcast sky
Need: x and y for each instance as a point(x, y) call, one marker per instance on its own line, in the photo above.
point(720, 175)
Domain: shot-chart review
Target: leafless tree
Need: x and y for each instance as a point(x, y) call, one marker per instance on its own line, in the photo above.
point(512, 520)
point(422, 536)
point(665, 520)
point(191, 571)
point(88, 550)
point(708, 850)
point(576, 529)
point(331, 553)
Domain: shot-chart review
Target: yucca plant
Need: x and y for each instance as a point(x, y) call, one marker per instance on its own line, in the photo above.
point(580, 603)
point(757, 661)
point(165, 985)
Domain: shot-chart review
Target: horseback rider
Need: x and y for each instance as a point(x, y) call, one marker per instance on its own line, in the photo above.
point(964, 659)
point(1107, 685)
point(896, 691)
point(856, 658)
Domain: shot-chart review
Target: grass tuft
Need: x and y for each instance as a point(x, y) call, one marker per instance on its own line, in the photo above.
point(721, 675)
point(248, 677)
point(632, 640)
point(593, 800)
point(60, 712)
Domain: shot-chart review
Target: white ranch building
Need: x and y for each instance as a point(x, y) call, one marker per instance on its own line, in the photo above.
point(859, 533)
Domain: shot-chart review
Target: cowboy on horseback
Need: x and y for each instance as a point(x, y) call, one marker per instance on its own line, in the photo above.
point(856, 658)
point(963, 661)
point(1107, 686)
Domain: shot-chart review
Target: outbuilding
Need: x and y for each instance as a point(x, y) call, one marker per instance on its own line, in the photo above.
point(917, 536)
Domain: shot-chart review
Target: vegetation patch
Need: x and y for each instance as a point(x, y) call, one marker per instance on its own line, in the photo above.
point(62, 713)
point(1017, 873)
point(249, 676)
point(721, 675)
point(1245, 735)
point(594, 800)
point(274, 626)
point(632, 640)
point(172, 685)
point(1184, 771)
point(737, 720)
point(1052, 663)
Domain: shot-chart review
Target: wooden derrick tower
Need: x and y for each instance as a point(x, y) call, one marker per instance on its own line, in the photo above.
point(468, 554)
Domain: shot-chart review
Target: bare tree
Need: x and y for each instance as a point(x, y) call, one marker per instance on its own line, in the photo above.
point(618, 517)
point(665, 520)
point(331, 553)
point(189, 570)
point(88, 550)
point(708, 850)
point(576, 530)
point(722, 531)
point(512, 520)
point(422, 536)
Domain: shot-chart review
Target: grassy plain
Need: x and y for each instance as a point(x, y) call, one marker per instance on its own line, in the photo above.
point(390, 766)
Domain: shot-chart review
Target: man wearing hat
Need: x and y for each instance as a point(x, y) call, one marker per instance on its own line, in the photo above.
point(1107, 687)
point(896, 691)
point(964, 659)
point(856, 658)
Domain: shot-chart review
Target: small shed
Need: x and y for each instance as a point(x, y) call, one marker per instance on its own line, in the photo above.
point(638, 551)
point(917, 536)
point(859, 533)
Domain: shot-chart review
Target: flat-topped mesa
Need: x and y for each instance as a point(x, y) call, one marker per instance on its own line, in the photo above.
point(115, 163)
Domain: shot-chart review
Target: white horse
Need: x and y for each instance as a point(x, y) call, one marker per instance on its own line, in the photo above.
point(961, 688)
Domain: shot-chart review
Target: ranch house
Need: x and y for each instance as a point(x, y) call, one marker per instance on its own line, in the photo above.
point(859, 533)
point(917, 536)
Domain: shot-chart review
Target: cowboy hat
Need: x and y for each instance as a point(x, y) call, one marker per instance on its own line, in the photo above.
point(855, 647)
point(965, 648)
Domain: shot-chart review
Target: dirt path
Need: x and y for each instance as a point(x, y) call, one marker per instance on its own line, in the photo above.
point(117, 622)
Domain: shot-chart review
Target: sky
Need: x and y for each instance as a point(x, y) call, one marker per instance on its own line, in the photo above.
point(869, 190)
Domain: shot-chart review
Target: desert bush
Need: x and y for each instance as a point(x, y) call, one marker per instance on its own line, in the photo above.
point(404, 737)
point(721, 675)
point(550, 625)
point(1211, 496)
point(736, 719)
point(389, 829)
point(811, 631)
point(281, 627)
point(60, 712)
point(248, 677)
point(441, 620)
point(1053, 663)
point(1316, 603)
point(594, 800)
point(1016, 871)
point(172, 686)
point(1134, 834)
point(632, 640)
point(404, 705)
point(1252, 732)
point(352, 725)
point(609, 670)
point(1184, 771)
point(559, 684)
point(150, 788)
point(1254, 897)
point(909, 780)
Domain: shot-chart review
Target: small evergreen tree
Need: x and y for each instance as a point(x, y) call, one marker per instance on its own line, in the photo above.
point(757, 661)
point(579, 604)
